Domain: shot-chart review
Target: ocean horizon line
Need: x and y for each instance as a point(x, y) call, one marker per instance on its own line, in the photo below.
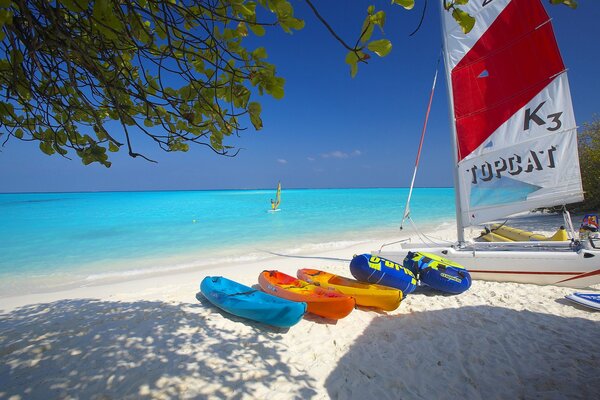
point(223, 190)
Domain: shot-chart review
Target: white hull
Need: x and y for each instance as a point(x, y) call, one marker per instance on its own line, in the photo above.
point(522, 262)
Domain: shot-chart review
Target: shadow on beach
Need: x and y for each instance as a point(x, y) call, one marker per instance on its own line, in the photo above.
point(101, 349)
point(471, 352)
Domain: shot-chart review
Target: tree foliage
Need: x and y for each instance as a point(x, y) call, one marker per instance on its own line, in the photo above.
point(589, 160)
point(94, 76)
point(177, 71)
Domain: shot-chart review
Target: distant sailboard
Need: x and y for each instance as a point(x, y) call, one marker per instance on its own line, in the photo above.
point(275, 203)
point(591, 300)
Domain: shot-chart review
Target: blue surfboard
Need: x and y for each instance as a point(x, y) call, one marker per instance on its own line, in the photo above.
point(591, 300)
point(246, 302)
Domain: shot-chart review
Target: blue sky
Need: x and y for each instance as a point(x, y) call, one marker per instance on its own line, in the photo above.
point(329, 130)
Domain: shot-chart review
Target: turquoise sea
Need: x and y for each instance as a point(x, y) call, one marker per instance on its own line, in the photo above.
point(51, 241)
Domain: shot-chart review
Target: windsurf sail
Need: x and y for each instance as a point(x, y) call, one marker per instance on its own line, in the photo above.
point(275, 203)
point(514, 131)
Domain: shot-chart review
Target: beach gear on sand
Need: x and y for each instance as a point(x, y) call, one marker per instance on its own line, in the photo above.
point(365, 294)
point(591, 300)
point(589, 227)
point(504, 233)
point(246, 302)
point(437, 272)
point(373, 269)
point(328, 303)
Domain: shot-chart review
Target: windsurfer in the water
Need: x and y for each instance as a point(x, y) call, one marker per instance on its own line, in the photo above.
point(274, 204)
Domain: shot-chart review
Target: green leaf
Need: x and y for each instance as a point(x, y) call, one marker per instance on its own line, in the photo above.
point(242, 29)
point(46, 147)
point(380, 47)
point(258, 30)
point(5, 17)
point(465, 20)
point(198, 64)
point(568, 3)
point(246, 10)
point(352, 60)
point(100, 133)
point(407, 4)
point(378, 19)
point(113, 147)
point(276, 88)
point(59, 149)
point(367, 27)
point(254, 109)
point(259, 53)
point(6, 109)
point(75, 5)
point(19, 133)
point(460, 2)
point(291, 23)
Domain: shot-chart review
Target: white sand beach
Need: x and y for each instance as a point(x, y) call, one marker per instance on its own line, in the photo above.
point(153, 338)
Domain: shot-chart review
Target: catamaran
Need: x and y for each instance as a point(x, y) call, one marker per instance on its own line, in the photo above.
point(514, 141)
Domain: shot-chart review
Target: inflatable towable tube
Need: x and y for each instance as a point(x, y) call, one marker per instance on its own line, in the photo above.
point(437, 272)
point(373, 269)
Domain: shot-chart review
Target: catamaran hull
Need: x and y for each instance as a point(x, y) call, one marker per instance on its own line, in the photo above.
point(577, 269)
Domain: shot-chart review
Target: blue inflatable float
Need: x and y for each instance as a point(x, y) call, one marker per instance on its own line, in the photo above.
point(437, 272)
point(373, 269)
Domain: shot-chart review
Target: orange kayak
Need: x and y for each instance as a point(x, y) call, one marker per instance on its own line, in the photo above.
point(365, 294)
point(328, 303)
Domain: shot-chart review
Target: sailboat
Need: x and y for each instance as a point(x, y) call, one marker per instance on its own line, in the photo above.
point(514, 141)
point(275, 203)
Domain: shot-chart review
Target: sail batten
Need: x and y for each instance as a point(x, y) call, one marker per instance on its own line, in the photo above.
point(514, 126)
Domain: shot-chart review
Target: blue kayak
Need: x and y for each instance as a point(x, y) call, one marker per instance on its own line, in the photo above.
point(246, 302)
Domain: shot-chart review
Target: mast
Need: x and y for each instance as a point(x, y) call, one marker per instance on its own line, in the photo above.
point(460, 229)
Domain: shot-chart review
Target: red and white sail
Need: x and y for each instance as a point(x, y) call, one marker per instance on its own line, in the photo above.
point(514, 127)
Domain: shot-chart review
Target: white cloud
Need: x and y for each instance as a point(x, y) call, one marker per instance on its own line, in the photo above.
point(311, 159)
point(282, 161)
point(340, 154)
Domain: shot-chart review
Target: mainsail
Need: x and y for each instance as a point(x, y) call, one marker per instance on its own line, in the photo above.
point(514, 129)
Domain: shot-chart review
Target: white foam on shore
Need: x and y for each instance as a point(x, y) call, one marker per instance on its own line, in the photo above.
point(132, 269)
point(214, 261)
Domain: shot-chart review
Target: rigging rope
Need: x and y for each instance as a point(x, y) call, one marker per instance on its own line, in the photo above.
point(407, 207)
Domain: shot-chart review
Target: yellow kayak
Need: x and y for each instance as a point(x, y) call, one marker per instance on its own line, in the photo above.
point(365, 294)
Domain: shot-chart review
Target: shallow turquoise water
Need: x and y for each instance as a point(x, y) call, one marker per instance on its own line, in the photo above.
point(53, 239)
